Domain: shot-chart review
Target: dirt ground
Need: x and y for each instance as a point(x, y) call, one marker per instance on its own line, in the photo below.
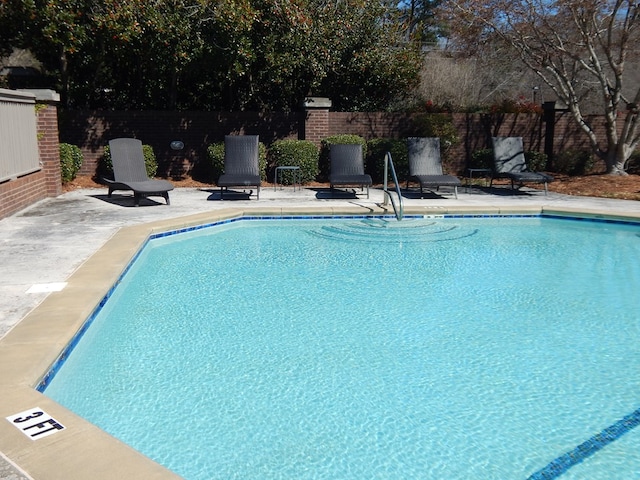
point(599, 185)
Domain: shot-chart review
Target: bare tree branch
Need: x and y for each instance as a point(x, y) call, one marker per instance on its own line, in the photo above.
point(572, 46)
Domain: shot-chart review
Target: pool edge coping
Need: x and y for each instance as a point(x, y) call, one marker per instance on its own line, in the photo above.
point(31, 347)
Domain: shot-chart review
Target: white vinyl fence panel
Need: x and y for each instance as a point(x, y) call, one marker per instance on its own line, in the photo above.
point(18, 135)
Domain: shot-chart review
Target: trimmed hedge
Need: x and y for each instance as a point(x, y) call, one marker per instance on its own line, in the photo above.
point(482, 158)
point(377, 148)
point(574, 162)
point(70, 161)
point(105, 166)
point(300, 153)
point(437, 125)
point(215, 156)
point(537, 161)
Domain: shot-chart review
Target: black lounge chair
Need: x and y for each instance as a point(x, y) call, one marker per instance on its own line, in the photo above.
point(347, 167)
point(425, 165)
point(509, 162)
point(241, 163)
point(129, 172)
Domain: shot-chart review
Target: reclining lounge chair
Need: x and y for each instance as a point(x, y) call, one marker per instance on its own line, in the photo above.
point(347, 167)
point(241, 163)
point(425, 165)
point(509, 162)
point(129, 172)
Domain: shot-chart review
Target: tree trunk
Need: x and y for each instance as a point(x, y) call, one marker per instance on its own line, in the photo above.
point(615, 161)
point(617, 169)
point(64, 77)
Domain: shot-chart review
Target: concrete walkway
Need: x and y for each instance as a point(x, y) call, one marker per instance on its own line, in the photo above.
point(42, 246)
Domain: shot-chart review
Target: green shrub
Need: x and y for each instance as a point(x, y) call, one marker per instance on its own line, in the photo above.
point(300, 153)
point(215, 155)
point(377, 149)
point(482, 158)
point(70, 161)
point(437, 125)
point(536, 161)
point(337, 139)
point(574, 162)
point(105, 166)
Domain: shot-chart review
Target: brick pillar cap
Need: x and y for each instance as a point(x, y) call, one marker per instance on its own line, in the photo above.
point(43, 95)
point(316, 102)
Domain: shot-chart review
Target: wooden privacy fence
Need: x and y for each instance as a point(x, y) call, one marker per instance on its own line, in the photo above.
point(19, 154)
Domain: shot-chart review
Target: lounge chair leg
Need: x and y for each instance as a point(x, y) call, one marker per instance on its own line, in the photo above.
point(258, 193)
point(455, 191)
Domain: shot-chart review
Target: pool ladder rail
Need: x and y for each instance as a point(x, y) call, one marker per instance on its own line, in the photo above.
point(399, 208)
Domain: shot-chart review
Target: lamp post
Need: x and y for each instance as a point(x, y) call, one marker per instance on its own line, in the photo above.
point(535, 90)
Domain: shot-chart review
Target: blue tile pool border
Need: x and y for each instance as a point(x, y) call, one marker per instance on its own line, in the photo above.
point(42, 384)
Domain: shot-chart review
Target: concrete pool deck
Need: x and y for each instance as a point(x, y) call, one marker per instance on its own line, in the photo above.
point(60, 256)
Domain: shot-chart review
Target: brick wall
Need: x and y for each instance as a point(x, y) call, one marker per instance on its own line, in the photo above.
point(475, 131)
point(17, 194)
point(91, 131)
point(371, 125)
point(21, 192)
point(316, 125)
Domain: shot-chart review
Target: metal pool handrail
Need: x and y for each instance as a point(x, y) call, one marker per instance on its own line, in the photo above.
point(399, 209)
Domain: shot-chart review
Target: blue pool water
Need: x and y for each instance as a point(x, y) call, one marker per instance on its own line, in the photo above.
point(482, 348)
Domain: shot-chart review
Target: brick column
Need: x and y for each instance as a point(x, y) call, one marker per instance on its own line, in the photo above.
point(48, 139)
point(316, 121)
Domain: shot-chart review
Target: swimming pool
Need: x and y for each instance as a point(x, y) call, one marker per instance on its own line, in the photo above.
point(435, 348)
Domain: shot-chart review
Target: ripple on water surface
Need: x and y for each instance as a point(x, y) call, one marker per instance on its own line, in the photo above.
point(260, 352)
